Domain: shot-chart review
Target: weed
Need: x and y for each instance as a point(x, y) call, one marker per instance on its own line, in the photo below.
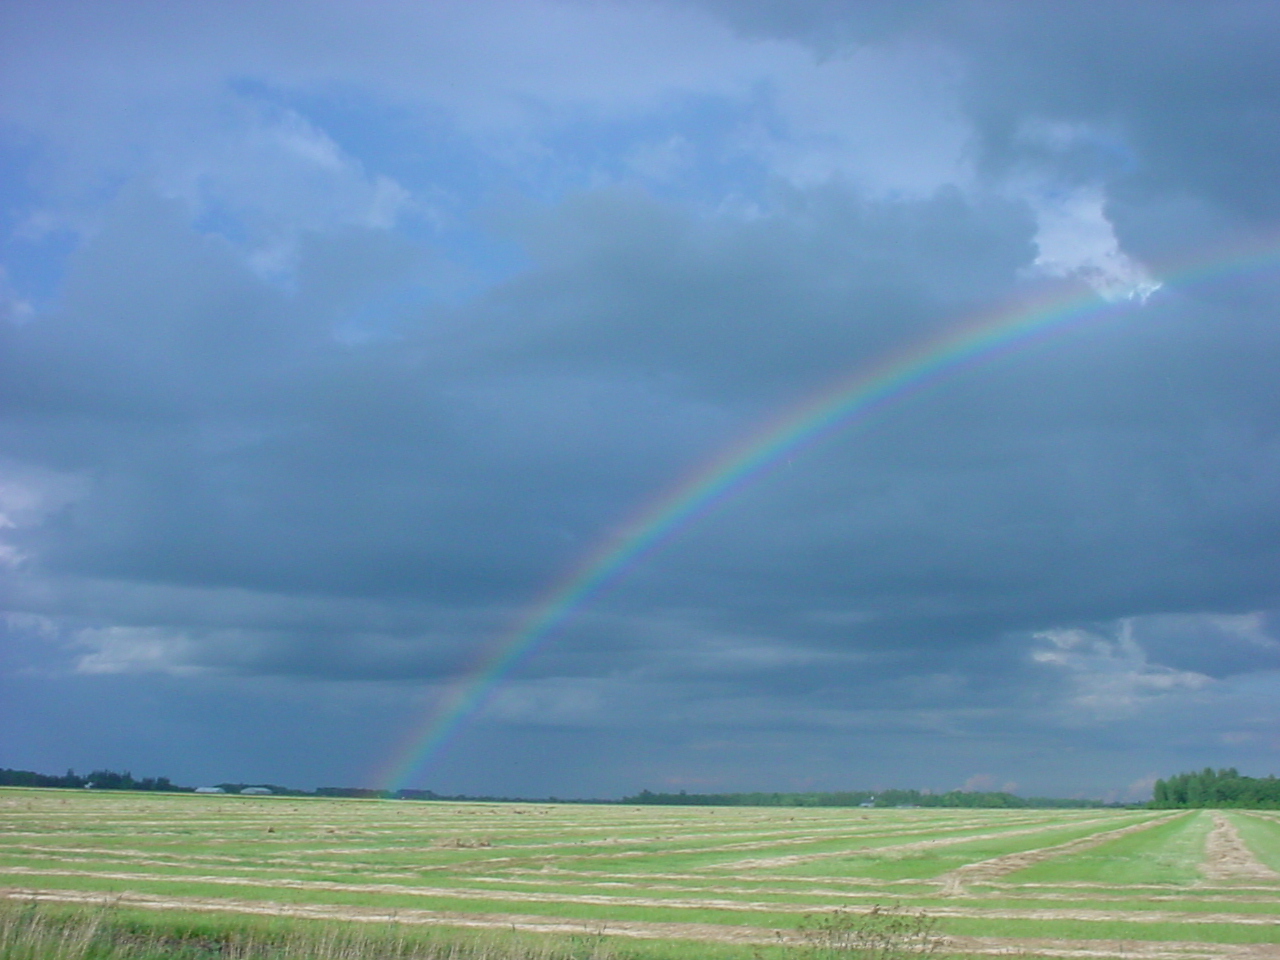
point(879, 934)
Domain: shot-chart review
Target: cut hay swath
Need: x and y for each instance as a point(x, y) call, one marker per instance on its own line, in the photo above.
point(739, 877)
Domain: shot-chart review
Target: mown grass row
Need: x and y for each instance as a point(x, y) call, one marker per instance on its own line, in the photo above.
point(1262, 834)
point(751, 871)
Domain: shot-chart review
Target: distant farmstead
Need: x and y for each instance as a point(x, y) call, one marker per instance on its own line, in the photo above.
point(210, 790)
point(257, 791)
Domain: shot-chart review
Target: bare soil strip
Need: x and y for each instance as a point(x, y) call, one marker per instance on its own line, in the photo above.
point(1110, 949)
point(705, 932)
point(849, 887)
point(130, 857)
point(765, 840)
point(899, 849)
point(852, 882)
point(1227, 858)
point(877, 889)
point(570, 848)
point(953, 882)
point(739, 906)
point(588, 849)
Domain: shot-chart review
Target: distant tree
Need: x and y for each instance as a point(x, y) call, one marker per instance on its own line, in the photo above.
point(110, 780)
point(29, 778)
point(1160, 794)
point(1220, 788)
point(885, 798)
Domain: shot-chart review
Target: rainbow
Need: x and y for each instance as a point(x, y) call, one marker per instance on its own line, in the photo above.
point(854, 397)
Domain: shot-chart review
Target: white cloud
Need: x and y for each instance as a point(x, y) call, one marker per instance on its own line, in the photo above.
point(28, 496)
point(1074, 236)
point(163, 649)
point(511, 78)
point(1075, 239)
point(1250, 628)
point(136, 650)
point(558, 700)
point(275, 176)
point(887, 120)
point(1141, 788)
point(1109, 675)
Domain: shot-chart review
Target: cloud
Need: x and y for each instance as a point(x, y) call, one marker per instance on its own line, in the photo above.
point(980, 781)
point(133, 650)
point(1075, 238)
point(1218, 644)
point(29, 495)
point(844, 118)
point(438, 476)
point(334, 342)
point(1111, 675)
point(1141, 788)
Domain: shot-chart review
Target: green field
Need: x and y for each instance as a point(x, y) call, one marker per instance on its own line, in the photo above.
point(661, 881)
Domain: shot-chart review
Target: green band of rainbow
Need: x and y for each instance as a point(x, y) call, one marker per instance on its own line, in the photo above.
point(850, 398)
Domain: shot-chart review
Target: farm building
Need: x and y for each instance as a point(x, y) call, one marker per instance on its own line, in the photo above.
point(257, 791)
point(210, 790)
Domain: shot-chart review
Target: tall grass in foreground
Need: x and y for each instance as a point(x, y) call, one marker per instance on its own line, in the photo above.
point(29, 932)
point(35, 932)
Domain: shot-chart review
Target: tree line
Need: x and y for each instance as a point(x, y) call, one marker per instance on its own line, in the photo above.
point(1217, 788)
point(857, 798)
point(98, 780)
point(1206, 788)
point(113, 780)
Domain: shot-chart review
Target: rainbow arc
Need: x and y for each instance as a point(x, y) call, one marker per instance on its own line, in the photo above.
point(856, 397)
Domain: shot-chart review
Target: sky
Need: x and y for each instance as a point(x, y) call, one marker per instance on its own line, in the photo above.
point(335, 336)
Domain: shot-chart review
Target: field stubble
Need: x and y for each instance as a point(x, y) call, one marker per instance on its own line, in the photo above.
point(675, 880)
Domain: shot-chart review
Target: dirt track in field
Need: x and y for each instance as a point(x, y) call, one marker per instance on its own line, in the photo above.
point(1227, 858)
point(1084, 914)
point(896, 849)
point(705, 932)
point(953, 882)
point(1113, 949)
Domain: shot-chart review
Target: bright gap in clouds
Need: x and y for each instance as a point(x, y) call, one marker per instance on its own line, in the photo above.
point(1074, 238)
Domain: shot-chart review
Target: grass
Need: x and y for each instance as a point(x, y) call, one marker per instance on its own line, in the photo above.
point(928, 863)
point(1261, 835)
point(662, 882)
point(1169, 853)
point(32, 933)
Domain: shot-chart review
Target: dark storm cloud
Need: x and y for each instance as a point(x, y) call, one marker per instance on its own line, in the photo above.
point(285, 436)
point(1216, 645)
point(269, 456)
point(756, 310)
point(236, 443)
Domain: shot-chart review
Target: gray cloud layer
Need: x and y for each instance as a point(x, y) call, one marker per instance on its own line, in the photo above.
point(317, 376)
